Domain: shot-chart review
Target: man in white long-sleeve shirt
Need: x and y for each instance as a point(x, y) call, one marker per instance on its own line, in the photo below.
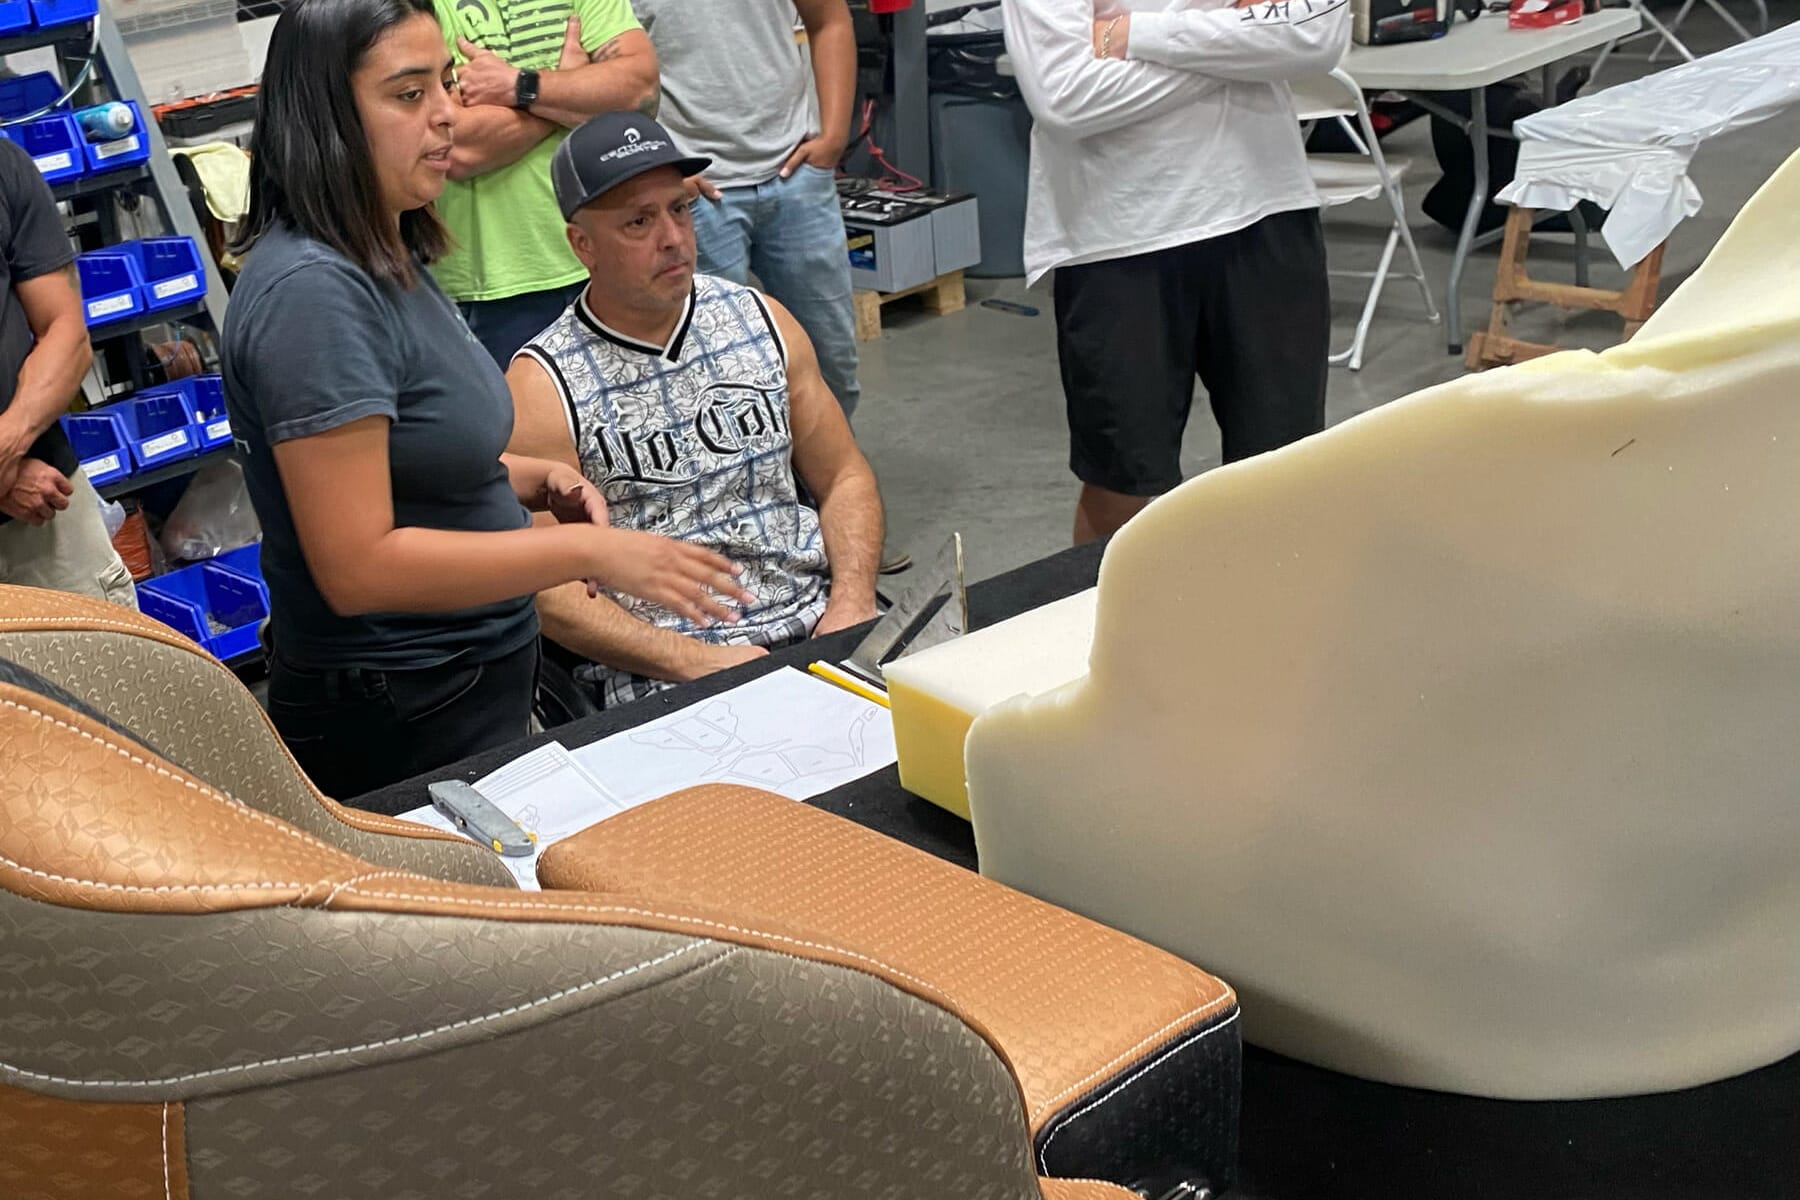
point(1169, 191)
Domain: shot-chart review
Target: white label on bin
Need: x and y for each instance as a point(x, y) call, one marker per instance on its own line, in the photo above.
point(175, 286)
point(111, 305)
point(100, 466)
point(217, 430)
point(54, 162)
point(168, 441)
point(106, 150)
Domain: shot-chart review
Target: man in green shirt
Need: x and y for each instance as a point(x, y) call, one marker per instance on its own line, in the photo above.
point(530, 70)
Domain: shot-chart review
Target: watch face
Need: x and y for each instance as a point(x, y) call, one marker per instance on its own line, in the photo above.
point(525, 91)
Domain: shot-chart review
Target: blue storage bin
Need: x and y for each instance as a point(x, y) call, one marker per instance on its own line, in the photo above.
point(99, 441)
point(114, 153)
point(14, 16)
point(55, 147)
point(169, 270)
point(157, 428)
point(23, 95)
point(245, 560)
point(63, 12)
point(204, 396)
point(111, 287)
point(168, 599)
point(215, 606)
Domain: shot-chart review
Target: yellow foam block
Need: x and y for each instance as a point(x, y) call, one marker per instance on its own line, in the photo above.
point(937, 693)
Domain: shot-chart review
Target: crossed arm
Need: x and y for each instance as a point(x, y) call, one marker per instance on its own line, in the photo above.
point(826, 459)
point(1157, 61)
point(619, 74)
point(1252, 40)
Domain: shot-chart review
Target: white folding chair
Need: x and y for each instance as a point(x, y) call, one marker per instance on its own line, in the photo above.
point(1365, 175)
point(1654, 29)
point(1736, 26)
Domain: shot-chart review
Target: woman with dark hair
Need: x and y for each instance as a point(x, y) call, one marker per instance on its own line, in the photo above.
point(400, 558)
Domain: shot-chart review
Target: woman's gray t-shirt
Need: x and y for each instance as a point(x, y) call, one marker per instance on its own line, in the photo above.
point(313, 342)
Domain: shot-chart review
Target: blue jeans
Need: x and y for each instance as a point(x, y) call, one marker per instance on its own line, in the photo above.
point(502, 326)
point(791, 233)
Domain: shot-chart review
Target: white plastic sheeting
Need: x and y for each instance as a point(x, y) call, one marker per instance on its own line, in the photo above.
point(1627, 148)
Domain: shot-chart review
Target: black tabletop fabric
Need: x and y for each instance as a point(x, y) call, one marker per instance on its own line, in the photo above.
point(875, 800)
point(1311, 1134)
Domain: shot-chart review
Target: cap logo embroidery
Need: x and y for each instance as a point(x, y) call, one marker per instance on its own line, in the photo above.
point(634, 147)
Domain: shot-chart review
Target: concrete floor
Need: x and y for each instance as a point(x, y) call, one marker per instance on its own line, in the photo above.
point(962, 415)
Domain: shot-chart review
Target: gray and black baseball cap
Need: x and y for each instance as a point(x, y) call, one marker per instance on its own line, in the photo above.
point(606, 150)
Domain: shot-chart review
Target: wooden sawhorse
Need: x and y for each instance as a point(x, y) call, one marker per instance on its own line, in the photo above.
point(1496, 347)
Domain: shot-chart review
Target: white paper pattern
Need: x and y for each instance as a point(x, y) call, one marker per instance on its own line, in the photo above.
point(786, 732)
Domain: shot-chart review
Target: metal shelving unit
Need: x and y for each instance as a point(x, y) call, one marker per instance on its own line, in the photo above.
point(96, 201)
point(157, 475)
point(147, 199)
point(37, 39)
point(94, 185)
point(113, 65)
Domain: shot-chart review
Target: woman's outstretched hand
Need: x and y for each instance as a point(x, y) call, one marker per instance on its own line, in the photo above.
point(685, 579)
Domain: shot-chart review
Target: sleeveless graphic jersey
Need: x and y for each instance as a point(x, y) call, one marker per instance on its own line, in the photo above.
point(691, 440)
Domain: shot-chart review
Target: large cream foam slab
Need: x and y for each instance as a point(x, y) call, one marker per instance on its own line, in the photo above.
point(1464, 738)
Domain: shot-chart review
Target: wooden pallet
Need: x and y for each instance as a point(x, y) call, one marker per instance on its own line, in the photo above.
point(1496, 347)
point(941, 295)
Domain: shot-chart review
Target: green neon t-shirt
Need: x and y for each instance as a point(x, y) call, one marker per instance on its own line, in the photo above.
point(508, 232)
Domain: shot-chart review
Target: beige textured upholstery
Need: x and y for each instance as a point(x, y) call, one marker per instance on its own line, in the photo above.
point(201, 996)
point(1065, 1000)
point(180, 700)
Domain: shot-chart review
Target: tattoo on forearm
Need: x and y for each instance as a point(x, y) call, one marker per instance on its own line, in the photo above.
point(607, 52)
point(651, 102)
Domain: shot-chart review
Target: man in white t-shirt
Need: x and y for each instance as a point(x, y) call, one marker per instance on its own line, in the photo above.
point(1169, 192)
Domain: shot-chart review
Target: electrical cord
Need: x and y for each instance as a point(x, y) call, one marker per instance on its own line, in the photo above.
point(895, 180)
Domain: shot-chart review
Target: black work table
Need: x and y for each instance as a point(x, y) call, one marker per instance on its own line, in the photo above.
point(1310, 1133)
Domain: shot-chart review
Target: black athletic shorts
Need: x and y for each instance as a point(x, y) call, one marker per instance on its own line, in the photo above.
point(1248, 312)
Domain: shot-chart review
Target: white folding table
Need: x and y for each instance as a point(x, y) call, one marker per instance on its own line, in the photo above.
point(1472, 57)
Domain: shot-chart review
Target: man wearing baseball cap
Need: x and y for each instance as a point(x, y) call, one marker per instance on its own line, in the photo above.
point(697, 406)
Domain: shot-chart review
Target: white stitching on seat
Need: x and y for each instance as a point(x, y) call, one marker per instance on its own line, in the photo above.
point(290, 1059)
point(168, 1188)
point(1121, 1059)
point(394, 826)
point(944, 997)
point(81, 624)
point(534, 907)
point(160, 889)
point(701, 922)
point(1090, 1106)
point(365, 878)
point(380, 824)
point(177, 777)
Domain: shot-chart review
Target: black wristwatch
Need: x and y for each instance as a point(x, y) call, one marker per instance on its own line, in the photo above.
point(525, 89)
